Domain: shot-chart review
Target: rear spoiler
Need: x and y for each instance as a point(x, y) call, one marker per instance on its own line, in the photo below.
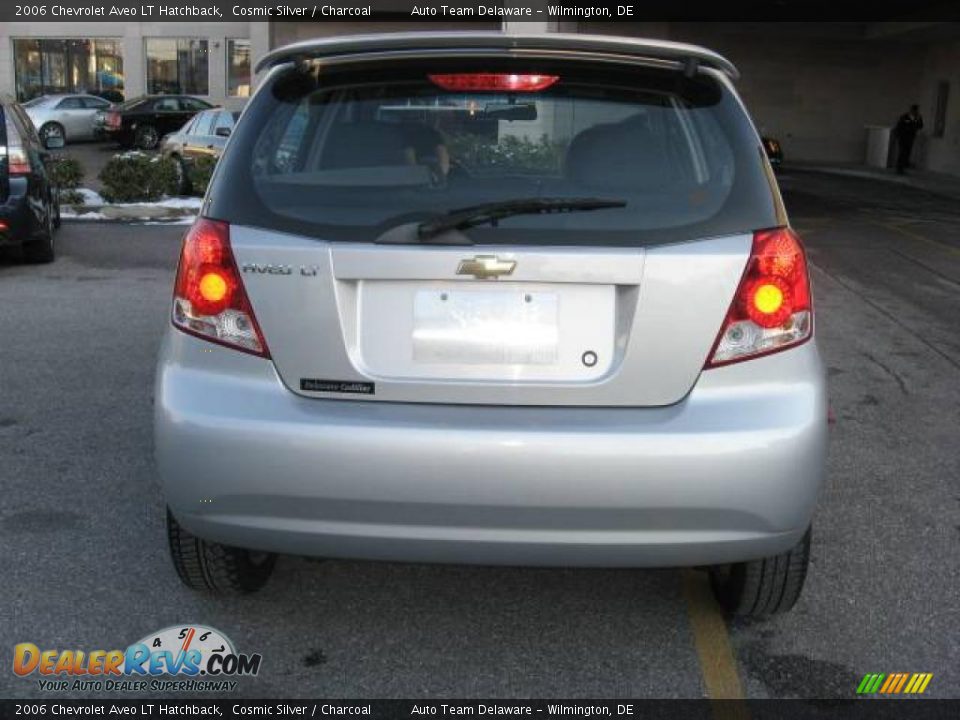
point(688, 57)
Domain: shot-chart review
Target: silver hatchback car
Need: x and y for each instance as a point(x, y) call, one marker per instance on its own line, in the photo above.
point(497, 299)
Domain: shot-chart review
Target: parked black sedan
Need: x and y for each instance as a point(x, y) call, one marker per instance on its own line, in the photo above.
point(204, 136)
point(144, 120)
point(29, 201)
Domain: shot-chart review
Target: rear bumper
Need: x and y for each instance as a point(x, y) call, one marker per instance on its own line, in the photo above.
point(730, 473)
point(123, 136)
point(16, 215)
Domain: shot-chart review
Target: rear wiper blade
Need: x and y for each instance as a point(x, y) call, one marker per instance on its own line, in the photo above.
point(491, 212)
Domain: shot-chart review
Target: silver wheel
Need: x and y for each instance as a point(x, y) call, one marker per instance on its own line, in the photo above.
point(147, 137)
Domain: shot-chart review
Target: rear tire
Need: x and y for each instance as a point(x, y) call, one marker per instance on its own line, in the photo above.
point(216, 568)
point(146, 137)
point(41, 250)
point(764, 587)
point(183, 177)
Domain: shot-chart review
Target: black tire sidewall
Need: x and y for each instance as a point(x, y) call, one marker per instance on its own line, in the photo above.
point(139, 137)
point(740, 588)
point(221, 569)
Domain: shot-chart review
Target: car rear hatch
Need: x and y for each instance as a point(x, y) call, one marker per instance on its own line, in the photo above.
point(616, 204)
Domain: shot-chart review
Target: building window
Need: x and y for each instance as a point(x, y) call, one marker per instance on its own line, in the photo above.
point(940, 112)
point(46, 66)
point(238, 68)
point(177, 66)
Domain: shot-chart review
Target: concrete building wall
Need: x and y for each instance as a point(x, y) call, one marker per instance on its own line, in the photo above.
point(941, 154)
point(288, 32)
point(815, 89)
point(132, 35)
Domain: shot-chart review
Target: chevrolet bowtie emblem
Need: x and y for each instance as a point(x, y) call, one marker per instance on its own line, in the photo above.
point(484, 267)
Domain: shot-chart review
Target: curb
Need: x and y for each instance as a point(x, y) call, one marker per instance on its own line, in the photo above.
point(126, 213)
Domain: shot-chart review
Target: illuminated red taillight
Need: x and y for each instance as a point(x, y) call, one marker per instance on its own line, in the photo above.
point(209, 300)
point(772, 309)
point(493, 82)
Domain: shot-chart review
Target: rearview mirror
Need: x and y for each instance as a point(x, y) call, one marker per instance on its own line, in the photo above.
point(53, 142)
point(222, 132)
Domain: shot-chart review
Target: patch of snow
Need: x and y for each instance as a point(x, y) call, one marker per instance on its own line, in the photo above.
point(66, 214)
point(91, 197)
point(192, 203)
point(182, 220)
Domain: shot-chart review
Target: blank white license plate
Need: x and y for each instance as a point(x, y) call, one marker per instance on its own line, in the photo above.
point(495, 327)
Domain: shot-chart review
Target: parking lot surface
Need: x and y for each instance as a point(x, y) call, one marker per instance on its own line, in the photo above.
point(85, 562)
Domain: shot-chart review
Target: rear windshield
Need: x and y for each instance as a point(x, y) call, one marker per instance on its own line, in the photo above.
point(349, 154)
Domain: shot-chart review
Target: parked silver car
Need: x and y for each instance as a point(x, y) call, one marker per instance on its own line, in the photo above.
point(71, 117)
point(487, 298)
point(203, 136)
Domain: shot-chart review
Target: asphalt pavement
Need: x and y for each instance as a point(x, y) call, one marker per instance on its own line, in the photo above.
point(81, 519)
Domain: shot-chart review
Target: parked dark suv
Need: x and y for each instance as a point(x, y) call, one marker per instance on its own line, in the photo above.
point(29, 206)
point(144, 120)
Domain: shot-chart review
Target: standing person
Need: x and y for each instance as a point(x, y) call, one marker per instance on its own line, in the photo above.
point(909, 124)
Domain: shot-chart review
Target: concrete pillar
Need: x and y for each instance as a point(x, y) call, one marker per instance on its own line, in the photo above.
point(7, 76)
point(259, 45)
point(134, 61)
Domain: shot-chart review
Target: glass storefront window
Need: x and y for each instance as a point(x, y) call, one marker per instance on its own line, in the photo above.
point(45, 66)
point(238, 68)
point(177, 66)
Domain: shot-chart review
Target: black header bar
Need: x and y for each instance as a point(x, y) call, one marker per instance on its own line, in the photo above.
point(124, 11)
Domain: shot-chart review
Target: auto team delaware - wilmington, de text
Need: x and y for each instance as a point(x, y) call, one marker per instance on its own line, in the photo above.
point(162, 12)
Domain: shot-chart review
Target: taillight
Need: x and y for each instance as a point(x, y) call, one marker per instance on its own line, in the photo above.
point(493, 82)
point(771, 309)
point(18, 161)
point(113, 119)
point(209, 300)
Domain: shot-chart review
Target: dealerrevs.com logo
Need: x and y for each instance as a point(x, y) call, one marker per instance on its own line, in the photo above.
point(199, 657)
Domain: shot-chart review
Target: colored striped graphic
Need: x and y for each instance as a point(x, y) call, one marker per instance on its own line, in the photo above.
point(894, 683)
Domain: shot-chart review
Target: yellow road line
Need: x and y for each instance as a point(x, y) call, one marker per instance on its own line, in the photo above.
point(916, 236)
point(717, 664)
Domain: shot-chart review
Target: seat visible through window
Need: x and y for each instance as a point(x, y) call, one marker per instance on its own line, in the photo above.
point(364, 144)
point(627, 155)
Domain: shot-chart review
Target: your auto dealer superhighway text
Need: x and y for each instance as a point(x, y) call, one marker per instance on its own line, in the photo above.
point(275, 710)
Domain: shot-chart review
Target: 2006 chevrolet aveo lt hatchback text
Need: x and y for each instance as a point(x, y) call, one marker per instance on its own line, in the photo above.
point(482, 298)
